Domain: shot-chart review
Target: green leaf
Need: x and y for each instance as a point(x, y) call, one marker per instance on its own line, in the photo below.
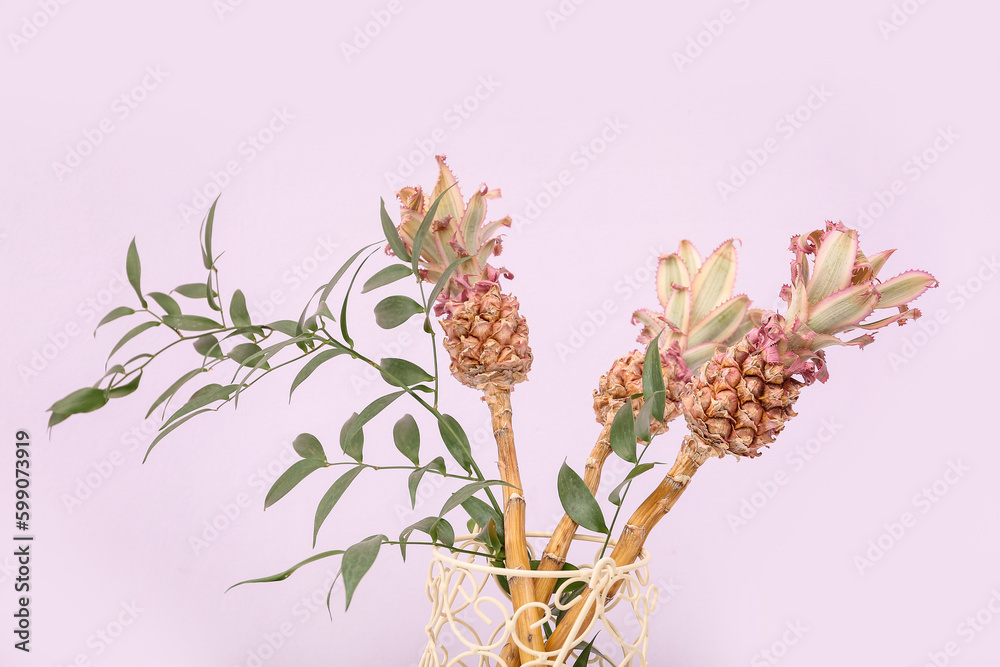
point(406, 373)
point(386, 276)
point(287, 327)
point(347, 297)
point(435, 527)
point(134, 271)
point(423, 230)
point(125, 389)
point(643, 421)
point(120, 311)
point(308, 446)
point(615, 497)
point(357, 561)
point(623, 433)
point(374, 408)
point(443, 281)
point(467, 492)
point(579, 502)
point(413, 481)
point(238, 310)
point(483, 513)
point(652, 380)
point(191, 322)
point(352, 440)
point(406, 436)
point(165, 431)
point(166, 302)
point(193, 290)
point(83, 400)
point(208, 346)
point(584, 658)
point(210, 293)
point(392, 236)
point(249, 354)
point(281, 576)
point(132, 334)
point(394, 310)
point(206, 251)
point(172, 389)
point(325, 290)
point(312, 365)
point(210, 393)
point(330, 498)
point(290, 479)
point(456, 441)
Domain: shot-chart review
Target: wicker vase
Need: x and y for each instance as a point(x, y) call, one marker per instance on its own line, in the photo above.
point(471, 615)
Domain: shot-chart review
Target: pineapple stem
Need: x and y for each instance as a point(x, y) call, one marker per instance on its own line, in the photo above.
point(522, 589)
point(693, 453)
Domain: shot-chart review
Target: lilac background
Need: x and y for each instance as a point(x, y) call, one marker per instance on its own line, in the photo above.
point(890, 423)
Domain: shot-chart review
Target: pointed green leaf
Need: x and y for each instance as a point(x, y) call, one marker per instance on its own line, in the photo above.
point(325, 290)
point(386, 276)
point(391, 235)
point(406, 437)
point(210, 393)
point(366, 415)
point(308, 446)
point(616, 497)
point(352, 439)
point(357, 561)
point(120, 311)
point(250, 355)
point(210, 294)
point(287, 327)
point(83, 400)
point(281, 576)
point(413, 481)
point(406, 373)
point(584, 658)
point(208, 346)
point(290, 479)
point(125, 389)
point(311, 366)
point(193, 290)
point(166, 302)
point(133, 270)
point(238, 310)
point(467, 492)
point(331, 497)
point(347, 296)
point(132, 334)
point(482, 513)
point(394, 310)
point(206, 253)
point(643, 420)
point(456, 441)
point(191, 322)
point(166, 430)
point(653, 389)
point(172, 389)
point(623, 433)
point(423, 230)
point(579, 503)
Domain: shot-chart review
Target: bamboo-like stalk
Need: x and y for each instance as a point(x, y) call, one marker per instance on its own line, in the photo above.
point(693, 453)
point(554, 556)
point(522, 589)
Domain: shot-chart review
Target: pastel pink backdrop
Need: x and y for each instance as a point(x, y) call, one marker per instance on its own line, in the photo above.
point(885, 80)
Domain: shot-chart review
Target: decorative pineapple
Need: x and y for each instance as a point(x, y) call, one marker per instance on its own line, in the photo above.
point(743, 397)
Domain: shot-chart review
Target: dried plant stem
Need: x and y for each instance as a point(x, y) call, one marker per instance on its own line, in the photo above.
point(522, 589)
point(694, 452)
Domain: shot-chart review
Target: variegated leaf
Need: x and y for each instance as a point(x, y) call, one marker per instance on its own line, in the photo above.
point(713, 284)
point(878, 260)
point(843, 309)
point(834, 264)
point(905, 287)
point(671, 271)
point(721, 322)
point(692, 260)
